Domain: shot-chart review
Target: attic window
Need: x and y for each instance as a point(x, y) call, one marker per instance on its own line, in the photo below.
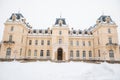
point(46, 31)
point(91, 33)
point(28, 31)
point(85, 32)
point(74, 32)
point(40, 31)
point(104, 19)
point(34, 31)
point(80, 32)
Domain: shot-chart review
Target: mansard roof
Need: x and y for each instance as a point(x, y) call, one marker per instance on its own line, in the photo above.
point(102, 18)
point(62, 19)
point(18, 15)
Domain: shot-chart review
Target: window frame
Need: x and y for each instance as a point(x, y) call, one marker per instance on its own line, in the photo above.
point(111, 53)
point(35, 52)
point(41, 53)
point(10, 37)
point(84, 54)
point(29, 52)
point(8, 52)
point(71, 53)
point(48, 53)
point(77, 53)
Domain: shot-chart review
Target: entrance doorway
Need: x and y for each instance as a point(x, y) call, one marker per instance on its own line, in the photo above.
point(60, 54)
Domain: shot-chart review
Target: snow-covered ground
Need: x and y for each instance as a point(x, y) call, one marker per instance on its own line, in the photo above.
point(58, 71)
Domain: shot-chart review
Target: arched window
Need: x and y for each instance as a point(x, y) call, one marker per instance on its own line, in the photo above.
point(111, 54)
point(8, 52)
point(29, 52)
point(84, 54)
point(48, 52)
point(10, 37)
point(35, 53)
point(41, 53)
point(77, 53)
point(90, 53)
point(71, 53)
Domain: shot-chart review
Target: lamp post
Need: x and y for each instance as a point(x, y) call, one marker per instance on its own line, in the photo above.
point(15, 52)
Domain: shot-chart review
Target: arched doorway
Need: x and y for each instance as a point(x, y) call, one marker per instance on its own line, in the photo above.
point(59, 54)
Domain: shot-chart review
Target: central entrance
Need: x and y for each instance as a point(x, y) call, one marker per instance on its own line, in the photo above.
point(59, 54)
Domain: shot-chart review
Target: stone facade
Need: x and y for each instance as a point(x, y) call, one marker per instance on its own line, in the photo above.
point(59, 43)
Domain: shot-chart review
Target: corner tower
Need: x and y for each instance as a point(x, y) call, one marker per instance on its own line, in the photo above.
point(106, 39)
point(14, 37)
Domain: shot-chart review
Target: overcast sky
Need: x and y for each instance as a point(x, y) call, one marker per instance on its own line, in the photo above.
point(79, 14)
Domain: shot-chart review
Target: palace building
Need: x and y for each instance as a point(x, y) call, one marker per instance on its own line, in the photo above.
point(59, 42)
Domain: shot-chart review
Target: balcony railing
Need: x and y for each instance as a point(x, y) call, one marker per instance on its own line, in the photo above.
point(9, 42)
point(111, 44)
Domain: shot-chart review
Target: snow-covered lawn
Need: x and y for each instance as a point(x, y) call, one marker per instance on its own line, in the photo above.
point(58, 71)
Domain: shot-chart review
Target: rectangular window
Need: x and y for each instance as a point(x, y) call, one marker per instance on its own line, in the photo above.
point(35, 53)
point(41, 53)
point(71, 43)
point(77, 43)
point(111, 54)
point(90, 53)
point(71, 54)
point(98, 53)
point(22, 39)
point(60, 41)
point(84, 54)
point(77, 54)
point(10, 37)
point(109, 31)
point(89, 43)
point(36, 42)
point(42, 42)
point(110, 40)
point(83, 43)
point(48, 42)
point(8, 52)
point(98, 41)
point(60, 32)
point(48, 52)
point(29, 52)
point(30, 42)
point(20, 51)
